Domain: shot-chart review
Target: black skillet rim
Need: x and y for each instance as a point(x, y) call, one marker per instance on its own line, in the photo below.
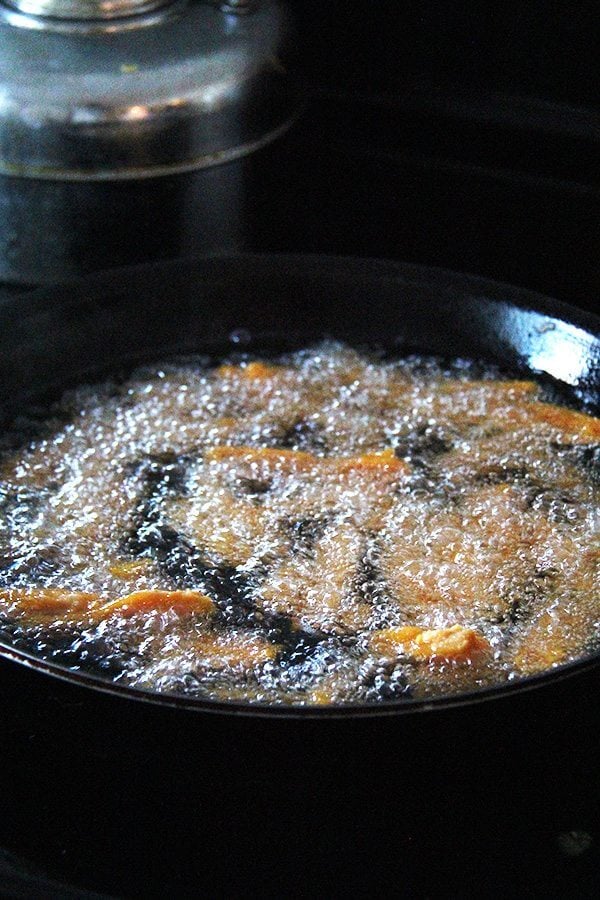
point(83, 289)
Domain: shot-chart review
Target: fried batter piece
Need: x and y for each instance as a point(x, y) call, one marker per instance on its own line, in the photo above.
point(297, 587)
point(564, 628)
point(461, 562)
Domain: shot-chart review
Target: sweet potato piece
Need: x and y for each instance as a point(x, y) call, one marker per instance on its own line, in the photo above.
point(286, 460)
point(455, 643)
point(382, 461)
point(541, 648)
point(47, 603)
point(322, 697)
point(464, 404)
point(251, 371)
point(225, 527)
point(234, 651)
point(130, 569)
point(44, 603)
point(559, 634)
point(578, 425)
point(181, 602)
point(317, 590)
point(497, 390)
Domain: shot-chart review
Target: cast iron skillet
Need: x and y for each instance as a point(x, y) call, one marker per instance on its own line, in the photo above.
point(252, 782)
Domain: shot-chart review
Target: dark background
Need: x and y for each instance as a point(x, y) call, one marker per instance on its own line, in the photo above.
point(464, 135)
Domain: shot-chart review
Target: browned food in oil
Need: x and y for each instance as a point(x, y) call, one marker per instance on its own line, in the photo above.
point(325, 528)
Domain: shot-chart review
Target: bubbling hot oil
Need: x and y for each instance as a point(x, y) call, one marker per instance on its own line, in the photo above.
point(328, 528)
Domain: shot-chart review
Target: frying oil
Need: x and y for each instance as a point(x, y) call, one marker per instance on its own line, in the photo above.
point(361, 530)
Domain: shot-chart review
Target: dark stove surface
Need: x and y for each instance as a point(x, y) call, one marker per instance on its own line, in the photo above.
point(530, 829)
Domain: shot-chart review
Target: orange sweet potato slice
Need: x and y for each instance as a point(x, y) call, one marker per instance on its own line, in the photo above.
point(234, 651)
point(577, 424)
point(288, 460)
point(552, 639)
point(181, 602)
point(382, 461)
point(45, 603)
point(252, 371)
point(455, 643)
point(297, 460)
point(497, 390)
point(130, 569)
point(539, 650)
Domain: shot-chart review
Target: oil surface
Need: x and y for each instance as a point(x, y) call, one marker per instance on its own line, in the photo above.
point(325, 528)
